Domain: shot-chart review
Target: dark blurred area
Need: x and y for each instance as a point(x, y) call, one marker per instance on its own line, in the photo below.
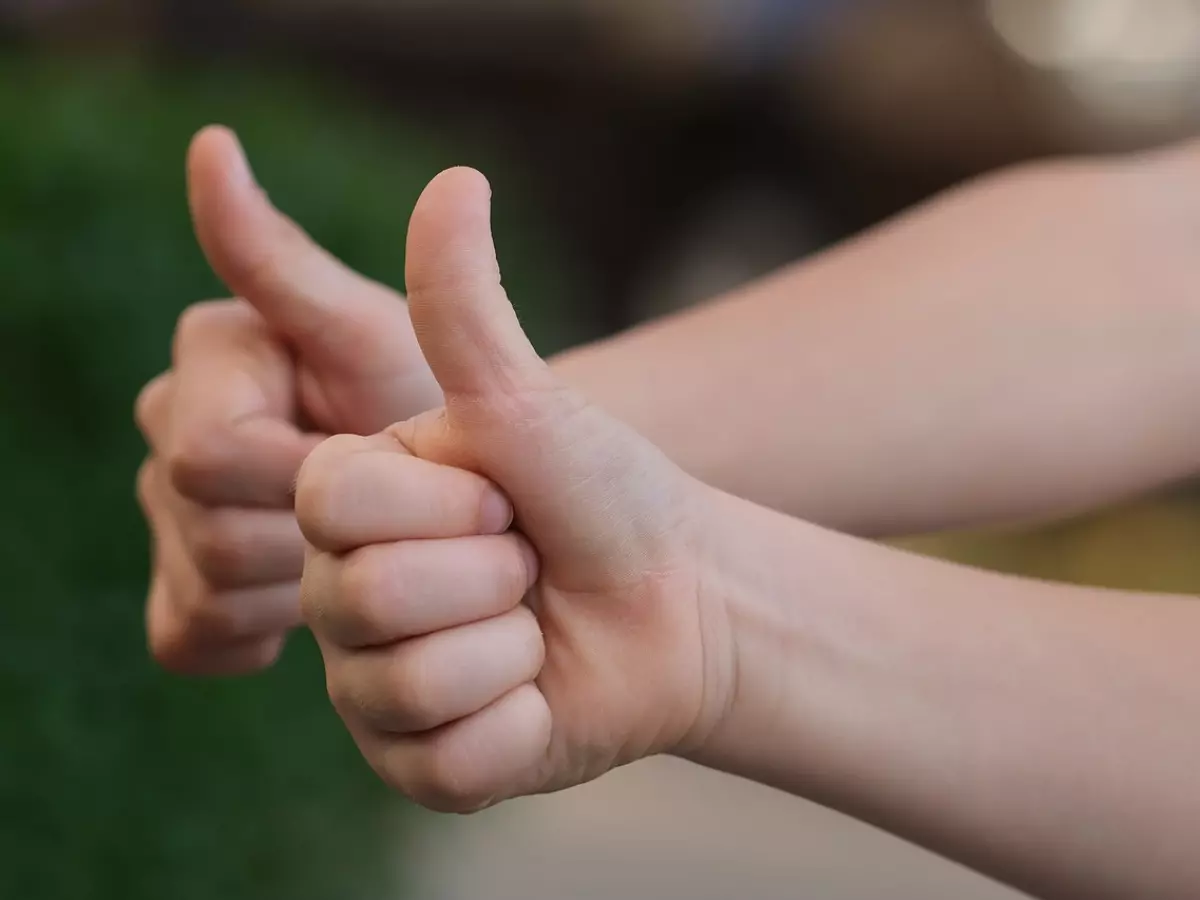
point(649, 124)
point(645, 153)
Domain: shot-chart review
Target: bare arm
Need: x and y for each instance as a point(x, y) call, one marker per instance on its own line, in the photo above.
point(1046, 735)
point(1028, 347)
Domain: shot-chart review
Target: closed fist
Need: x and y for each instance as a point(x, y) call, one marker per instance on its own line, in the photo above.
point(511, 592)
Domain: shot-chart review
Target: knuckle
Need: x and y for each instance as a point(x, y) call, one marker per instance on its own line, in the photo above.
point(448, 783)
point(201, 637)
point(361, 600)
point(219, 549)
point(530, 629)
point(176, 637)
point(197, 319)
point(413, 683)
point(207, 618)
point(264, 655)
point(314, 509)
point(516, 577)
point(172, 655)
point(180, 656)
point(392, 701)
point(148, 404)
point(342, 694)
point(397, 766)
point(317, 483)
point(166, 644)
point(202, 323)
point(198, 459)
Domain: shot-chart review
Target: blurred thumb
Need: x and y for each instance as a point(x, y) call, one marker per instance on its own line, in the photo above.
point(463, 319)
point(337, 319)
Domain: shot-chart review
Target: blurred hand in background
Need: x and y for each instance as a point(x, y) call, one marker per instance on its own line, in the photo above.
point(309, 346)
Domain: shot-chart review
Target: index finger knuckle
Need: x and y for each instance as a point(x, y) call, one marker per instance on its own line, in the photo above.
point(318, 486)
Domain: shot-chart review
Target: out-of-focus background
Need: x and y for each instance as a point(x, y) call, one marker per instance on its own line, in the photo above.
point(646, 154)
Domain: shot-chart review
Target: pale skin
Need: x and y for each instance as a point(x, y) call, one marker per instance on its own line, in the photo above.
point(1039, 733)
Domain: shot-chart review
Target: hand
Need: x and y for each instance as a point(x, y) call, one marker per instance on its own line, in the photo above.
point(311, 345)
point(509, 592)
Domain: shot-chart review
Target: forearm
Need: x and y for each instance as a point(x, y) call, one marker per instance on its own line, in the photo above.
point(1044, 734)
point(914, 380)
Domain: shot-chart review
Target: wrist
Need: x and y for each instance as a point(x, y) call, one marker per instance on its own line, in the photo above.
point(807, 615)
point(755, 640)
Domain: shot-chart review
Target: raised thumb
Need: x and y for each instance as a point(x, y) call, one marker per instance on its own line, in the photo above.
point(336, 318)
point(463, 319)
point(586, 488)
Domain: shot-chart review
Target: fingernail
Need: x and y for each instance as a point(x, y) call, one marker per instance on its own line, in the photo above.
point(495, 513)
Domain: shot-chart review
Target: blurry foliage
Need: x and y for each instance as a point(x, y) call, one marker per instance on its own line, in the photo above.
point(117, 781)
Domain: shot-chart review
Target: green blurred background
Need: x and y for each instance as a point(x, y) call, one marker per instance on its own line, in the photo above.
point(117, 781)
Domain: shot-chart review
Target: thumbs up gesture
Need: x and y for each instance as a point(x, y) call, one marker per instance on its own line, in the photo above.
point(308, 348)
point(508, 591)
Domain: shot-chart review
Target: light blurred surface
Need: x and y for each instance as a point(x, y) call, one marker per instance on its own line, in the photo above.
point(667, 830)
